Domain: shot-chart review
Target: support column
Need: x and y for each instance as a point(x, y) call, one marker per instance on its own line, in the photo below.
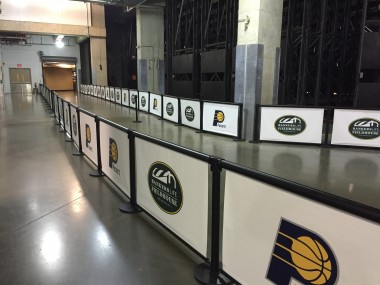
point(257, 57)
point(150, 49)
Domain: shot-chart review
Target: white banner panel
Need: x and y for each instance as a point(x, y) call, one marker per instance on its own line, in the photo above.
point(356, 127)
point(74, 126)
point(273, 237)
point(133, 96)
point(191, 113)
point(67, 117)
point(81, 88)
point(171, 108)
point(60, 111)
point(98, 94)
point(155, 105)
point(112, 94)
point(102, 92)
point(118, 95)
point(144, 101)
point(303, 125)
point(221, 118)
point(114, 146)
point(92, 90)
point(88, 136)
point(107, 89)
point(88, 90)
point(56, 106)
point(125, 97)
point(166, 188)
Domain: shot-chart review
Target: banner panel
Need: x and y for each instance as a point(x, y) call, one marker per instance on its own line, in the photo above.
point(356, 128)
point(191, 113)
point(133, 96)
point(103, 92)
point(74, 126)
point(60, 111)
point(92, 90)
point(125, 97)
point(112, 94)
point(56, 106)
point(221, 118)
point(88, 137)
point(302, 125)
point(144, 101)
point(166, 188)
point(155, 105)
point(118, 95)
point(171, 109)
point(107, 89)
point(67, 117)
point(98, 91)
point(88, 90)
point(114, 146)
point(271, 236)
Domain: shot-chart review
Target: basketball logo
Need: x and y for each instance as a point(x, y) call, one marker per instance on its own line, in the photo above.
point(301, 255)
point(114, 154)
point(218, 117)
point(88, 135)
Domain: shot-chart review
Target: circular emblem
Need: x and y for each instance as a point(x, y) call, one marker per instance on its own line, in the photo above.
point(114, 153)
point(189, 114)
point(220, 116)
point(170, 109)
point(75, 125)
point(134, 99)
point(365, 128)
point(290, 125)
point(117, 96)
point(143, 101)
point(165, 187)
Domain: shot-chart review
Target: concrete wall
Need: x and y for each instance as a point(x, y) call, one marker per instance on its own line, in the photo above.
point(27, 56)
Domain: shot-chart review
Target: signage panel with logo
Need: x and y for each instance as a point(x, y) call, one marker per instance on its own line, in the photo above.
point(171, 108)
point(118, 95)
point(144, 101)
point(221, 118)
point(356, 127)
point(98, 90)
point(191, 113)
point(125, 97)
point(114, 146)
point(88, 136)
point(293, 240)
point(67, 117)
point(112, 94)
point(166, 188)
point(107, 90)
point(133, 97)
point(155, 104)
point(74, 126)
point(103, 92)
point(302, 125)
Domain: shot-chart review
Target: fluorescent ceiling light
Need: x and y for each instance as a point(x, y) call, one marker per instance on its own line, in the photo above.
point(59, 44)
point(60, 38)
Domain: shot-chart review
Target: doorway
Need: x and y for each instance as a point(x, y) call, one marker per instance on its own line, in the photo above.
point(21, 80)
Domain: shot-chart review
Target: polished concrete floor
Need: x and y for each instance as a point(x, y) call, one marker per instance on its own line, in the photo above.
point(349, 173)
point(58, 225)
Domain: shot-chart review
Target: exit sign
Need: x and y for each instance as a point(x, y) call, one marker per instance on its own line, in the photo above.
point(19, 65)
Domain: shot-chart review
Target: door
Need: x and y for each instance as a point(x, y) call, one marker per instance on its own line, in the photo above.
point(21, 80)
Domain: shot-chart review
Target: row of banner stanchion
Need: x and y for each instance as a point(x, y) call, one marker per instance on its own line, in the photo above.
point(247, 226)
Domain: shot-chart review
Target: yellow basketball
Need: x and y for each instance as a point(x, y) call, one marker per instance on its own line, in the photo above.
point(114, 152)
point(311, 260)
point(220, 117)
point(88, 134)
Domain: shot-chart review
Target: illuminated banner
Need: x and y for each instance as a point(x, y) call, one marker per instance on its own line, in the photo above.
point(170, 108)
point(191, 113)
point(98, 94)
point(155, 105)
point(125, 97)
point(118, 95)
point(74, 126)
point(66, 108)
point(302, 243)
point(112, 94)
point(103, 92)
point(356, 128)
point(144, 101)
point(114, 146)
point(133, 97)
point(107, 89)
point(88, 136)
point(167, 191)
point(302, 125)
point(221, 118)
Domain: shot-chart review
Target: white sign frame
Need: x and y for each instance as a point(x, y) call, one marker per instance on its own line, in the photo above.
point(74, 126)
point(230, 124)
point(132, 93)
point(89, 149)
point(125, 97)
point(112, 94)
point(155, 107)
point(118, 99)
point(195, 105)
point(175, 102)
point(107, 89)
point(103, 92)
point(144, 94)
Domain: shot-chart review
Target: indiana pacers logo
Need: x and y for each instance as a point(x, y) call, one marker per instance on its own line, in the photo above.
point(155, 104)
point(301, 257)
point(219, 119)
point(113, 156)
point(88, 137)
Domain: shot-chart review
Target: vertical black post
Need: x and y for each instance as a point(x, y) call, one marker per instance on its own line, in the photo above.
point(256, 125)
point(131, 206)
point(201, 129)
point(98, 172)
point(211, 273)
point(71, 128)
point(137, 101)
point(328, 118)
point(79, 152)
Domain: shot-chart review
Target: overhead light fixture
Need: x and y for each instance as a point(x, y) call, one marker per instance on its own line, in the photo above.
point(58, 41)
point(60, 38)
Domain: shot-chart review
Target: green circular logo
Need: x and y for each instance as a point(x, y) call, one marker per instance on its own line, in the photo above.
point(165, 187)
point(290, 125)
point(365, 128)
point(133, 99)
point(170, 109)
point(143, 101)
point(117, 96)
point(189, 113)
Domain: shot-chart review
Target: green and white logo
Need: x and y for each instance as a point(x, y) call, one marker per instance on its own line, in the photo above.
point(365, 128)
point(133, 99)
point(290, 125)
point(165, 187)
point(170, 109)
point(189, 113)
point(143, 101)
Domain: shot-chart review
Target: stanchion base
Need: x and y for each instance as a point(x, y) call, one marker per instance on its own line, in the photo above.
point(129, 208)
point(52, 116)
point(61, 130)
point(253, 141)
point(204, 275)
point(96, 173)
point(238, 140)
point(68, 140)
point(200, 132)
point(137, 121)
point(77, 153)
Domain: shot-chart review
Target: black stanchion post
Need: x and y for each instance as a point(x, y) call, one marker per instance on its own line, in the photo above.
point(137, 99)
point(201, 131)
point(98, 172)
point(256, 125)
point(79, 152)
point(328, 116)
point(131, 206)
point(205, 273)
